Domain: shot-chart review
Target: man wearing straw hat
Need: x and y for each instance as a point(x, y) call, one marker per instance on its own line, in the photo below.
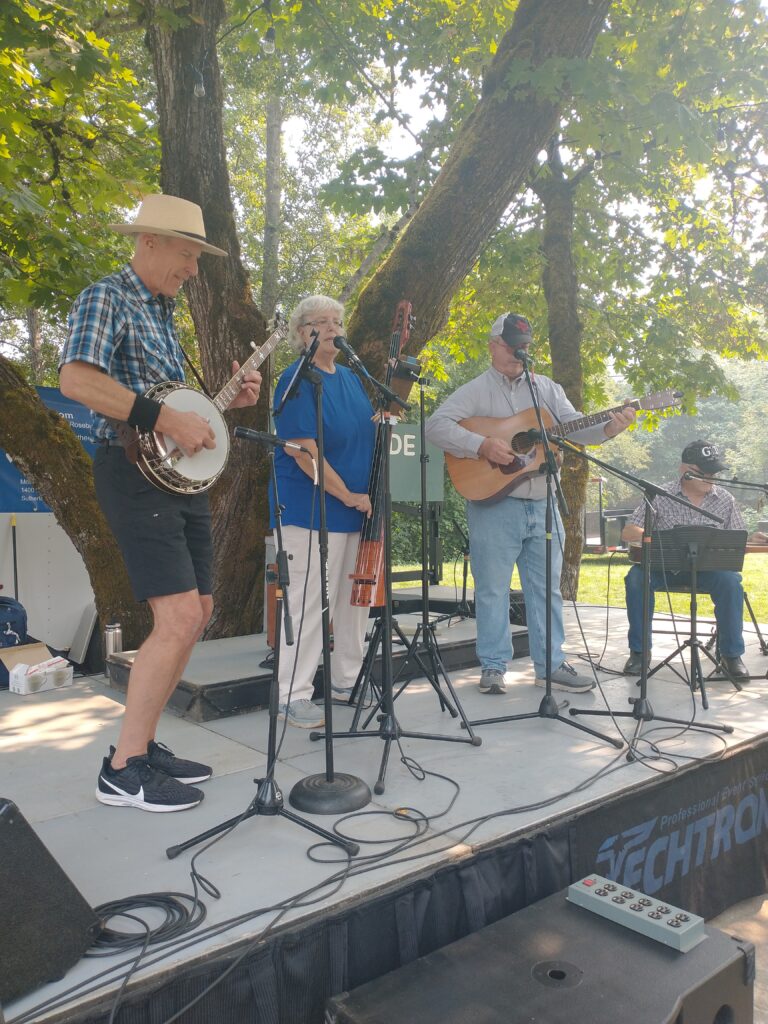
point(121, 341)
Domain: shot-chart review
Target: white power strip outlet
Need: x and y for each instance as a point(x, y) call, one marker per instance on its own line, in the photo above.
point(658, 920)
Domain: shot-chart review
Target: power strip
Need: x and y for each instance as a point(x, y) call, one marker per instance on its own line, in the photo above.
point(659, 921)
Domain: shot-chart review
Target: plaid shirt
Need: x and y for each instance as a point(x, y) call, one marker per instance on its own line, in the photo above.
point(668, 513)
point(119, 326)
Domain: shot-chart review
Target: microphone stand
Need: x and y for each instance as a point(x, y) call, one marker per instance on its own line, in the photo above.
point(642, 710)
point(389, 728)
point(330, 792)
point(548, 708)
point(462, 609)
point(269, 798)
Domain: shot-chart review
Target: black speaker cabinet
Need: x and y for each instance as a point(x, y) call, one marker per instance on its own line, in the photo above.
point(45, 924)
point(556, 963)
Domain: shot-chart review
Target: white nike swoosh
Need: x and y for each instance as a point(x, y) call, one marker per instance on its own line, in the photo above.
point(124, 792)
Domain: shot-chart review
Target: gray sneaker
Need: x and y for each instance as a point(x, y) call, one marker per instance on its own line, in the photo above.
point(302, 713)
point(492, 681)
point(567, 678)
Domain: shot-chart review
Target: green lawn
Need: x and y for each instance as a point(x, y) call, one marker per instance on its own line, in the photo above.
point(602, 583)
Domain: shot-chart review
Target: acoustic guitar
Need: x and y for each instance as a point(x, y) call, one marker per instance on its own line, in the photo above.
point(487, 482)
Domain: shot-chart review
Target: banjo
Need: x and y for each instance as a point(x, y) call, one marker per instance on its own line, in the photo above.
point(158, 456)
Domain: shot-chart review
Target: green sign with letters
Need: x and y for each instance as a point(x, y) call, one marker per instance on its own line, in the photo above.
point(405, 466)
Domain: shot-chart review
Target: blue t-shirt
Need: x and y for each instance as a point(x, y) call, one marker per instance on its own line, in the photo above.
point(349, 435)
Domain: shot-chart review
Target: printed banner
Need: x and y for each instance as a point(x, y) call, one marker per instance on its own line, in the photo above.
point(698, 839)
point(16, 493)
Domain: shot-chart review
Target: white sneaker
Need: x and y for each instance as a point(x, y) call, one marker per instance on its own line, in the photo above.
point(302, 713)
point(567, 678)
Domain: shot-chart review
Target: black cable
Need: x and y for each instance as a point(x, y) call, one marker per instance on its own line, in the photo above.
point(179, 919)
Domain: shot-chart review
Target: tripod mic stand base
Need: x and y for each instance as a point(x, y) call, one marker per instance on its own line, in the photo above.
point(318, 795)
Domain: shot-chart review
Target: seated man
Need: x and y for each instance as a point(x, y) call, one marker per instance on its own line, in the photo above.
point(724, 587)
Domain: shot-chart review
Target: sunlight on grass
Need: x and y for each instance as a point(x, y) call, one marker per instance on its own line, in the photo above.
point(601, 582)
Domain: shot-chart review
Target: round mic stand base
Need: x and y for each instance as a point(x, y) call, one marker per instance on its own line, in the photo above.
point(316, 795)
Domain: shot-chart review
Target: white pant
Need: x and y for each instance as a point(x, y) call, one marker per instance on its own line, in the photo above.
point(349, 623)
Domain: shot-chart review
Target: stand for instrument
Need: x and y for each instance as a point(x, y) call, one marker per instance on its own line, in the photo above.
point(423, 648)
point(389, 728)
point(692, 549)
point(462, 609)
point(642, 710)
point(269, 798)
point(548, 708)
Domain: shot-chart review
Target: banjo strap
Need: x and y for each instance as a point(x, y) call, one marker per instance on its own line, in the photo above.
point(197, 376)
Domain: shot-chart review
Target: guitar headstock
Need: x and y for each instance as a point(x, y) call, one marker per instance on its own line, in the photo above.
point(661, 399)
point(403, 322)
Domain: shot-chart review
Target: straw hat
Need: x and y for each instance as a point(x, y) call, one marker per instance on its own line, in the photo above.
point(169, 215)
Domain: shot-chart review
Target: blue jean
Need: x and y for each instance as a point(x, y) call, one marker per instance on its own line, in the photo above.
point(501, 535)
point(724, 588)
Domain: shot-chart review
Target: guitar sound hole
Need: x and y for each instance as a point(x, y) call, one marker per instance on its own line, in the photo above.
point(521, 444)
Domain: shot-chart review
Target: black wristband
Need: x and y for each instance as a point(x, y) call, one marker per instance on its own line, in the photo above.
point(144, 413)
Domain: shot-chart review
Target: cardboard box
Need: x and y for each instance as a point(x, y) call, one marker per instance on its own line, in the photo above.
point(18, 660)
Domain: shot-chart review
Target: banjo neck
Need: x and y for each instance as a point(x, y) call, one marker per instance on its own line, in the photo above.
point(231, 389)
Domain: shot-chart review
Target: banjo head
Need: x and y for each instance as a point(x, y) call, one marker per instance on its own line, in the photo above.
point(205, 465)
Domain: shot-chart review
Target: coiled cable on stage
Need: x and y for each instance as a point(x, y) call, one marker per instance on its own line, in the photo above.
point(182, 914)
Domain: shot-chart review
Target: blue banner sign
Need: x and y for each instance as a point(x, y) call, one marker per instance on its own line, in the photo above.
point(16, 493)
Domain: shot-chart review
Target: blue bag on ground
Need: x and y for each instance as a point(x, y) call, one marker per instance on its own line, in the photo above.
point(13, 629)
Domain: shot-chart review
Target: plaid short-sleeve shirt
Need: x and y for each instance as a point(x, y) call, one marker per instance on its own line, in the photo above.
point(668, 513)
point(118, 325)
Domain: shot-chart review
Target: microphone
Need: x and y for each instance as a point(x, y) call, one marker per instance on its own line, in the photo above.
point(268, 440)
point(521, 355)
point(341, 343)
point(696, 476)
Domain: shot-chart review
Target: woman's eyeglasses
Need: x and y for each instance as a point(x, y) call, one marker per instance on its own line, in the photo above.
point(326, 322)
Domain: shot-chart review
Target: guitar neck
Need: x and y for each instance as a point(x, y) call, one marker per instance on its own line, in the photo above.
point(594, 419)
point(231, 389)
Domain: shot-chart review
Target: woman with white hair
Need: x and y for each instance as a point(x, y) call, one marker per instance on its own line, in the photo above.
point(349, 435)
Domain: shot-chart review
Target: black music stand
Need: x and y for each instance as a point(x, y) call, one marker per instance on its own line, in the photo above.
point(642, 710)
point(690, 550)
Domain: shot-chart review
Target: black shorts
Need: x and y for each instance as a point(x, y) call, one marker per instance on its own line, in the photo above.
point(165, 539)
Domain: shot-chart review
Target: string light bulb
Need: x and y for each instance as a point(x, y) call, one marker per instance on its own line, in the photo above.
point(268, 40)
point(597, 163)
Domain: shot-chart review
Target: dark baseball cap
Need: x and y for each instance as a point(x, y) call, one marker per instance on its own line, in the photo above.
point(513, 328)
point(707, 456)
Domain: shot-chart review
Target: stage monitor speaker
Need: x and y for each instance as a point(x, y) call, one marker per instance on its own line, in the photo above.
point(557, 963)
point(45, 924)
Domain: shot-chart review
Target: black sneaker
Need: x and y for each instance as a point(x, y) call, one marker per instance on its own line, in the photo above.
point(160, 757)
point(141, 785)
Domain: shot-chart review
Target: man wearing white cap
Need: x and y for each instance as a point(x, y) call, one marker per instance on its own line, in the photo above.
point(511, 531)
point(121, 341)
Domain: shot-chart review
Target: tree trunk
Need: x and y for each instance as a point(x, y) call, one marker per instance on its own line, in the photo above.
point(487, 165)
point(272, 192)
point(226, 318)
point(560, 284)
point(33, 343)
point(45, 449)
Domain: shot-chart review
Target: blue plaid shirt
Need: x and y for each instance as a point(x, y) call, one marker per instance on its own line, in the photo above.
point(118, 325)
